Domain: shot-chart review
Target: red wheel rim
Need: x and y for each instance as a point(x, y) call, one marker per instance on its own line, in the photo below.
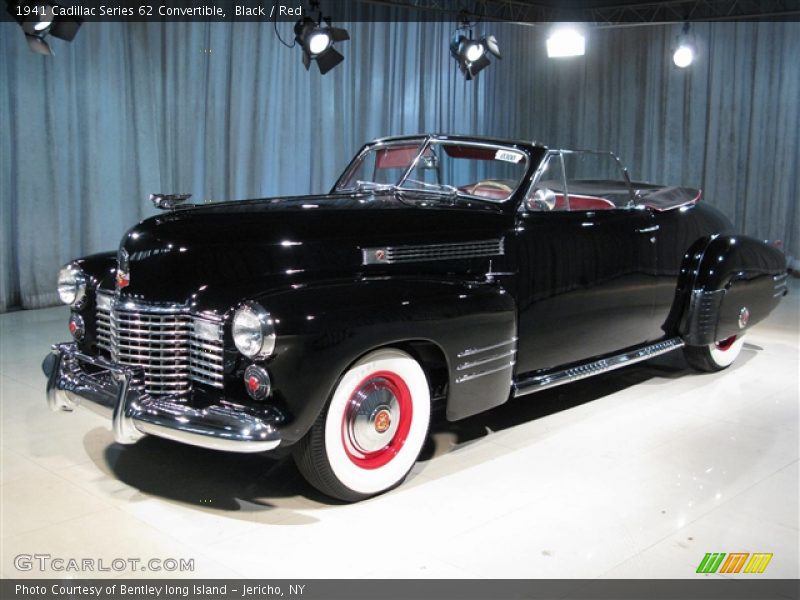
point(724, 345)
point(382, 382)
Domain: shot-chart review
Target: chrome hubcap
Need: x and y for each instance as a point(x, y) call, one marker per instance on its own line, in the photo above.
point(373, 417)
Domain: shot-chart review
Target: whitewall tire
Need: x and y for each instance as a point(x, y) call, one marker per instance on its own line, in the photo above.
point(716, 356)
point(371, 431)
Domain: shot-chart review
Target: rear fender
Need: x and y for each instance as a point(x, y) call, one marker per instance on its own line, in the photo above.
point(739, 280)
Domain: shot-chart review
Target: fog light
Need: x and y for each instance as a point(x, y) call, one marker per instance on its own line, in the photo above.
point(257, 382)
point(76, 327)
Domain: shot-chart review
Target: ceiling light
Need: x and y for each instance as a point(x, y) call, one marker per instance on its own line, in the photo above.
point(685, 52)
point(39, 21)
point(316, 38)
point(683, 57)
point(472, 55)
point(565, 41)
point(45, 21)
point(318, 42)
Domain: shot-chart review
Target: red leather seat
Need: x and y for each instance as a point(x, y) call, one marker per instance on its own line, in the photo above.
point(582, 203)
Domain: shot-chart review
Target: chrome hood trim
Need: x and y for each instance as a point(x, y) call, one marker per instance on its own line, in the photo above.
point(389, 255)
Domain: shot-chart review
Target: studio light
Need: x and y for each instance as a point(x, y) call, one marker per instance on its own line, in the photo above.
point(40, 20)
point(316, 38)
point(565, 41)
point(472, 55)
point(685, 50)
point(683, 57)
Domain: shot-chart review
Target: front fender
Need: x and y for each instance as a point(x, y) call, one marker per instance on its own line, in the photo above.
point(99, 267)
point(323, 328)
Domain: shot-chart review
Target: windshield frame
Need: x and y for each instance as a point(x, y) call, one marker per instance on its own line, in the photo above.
point(426, 142)
point(357, 161)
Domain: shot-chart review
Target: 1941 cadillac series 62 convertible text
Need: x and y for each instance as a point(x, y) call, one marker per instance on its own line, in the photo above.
point(439, 269)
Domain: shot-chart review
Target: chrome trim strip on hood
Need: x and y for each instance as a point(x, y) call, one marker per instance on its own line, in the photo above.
point(389, 255)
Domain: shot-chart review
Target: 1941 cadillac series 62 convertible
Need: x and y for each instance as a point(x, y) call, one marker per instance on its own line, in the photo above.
point(439, 269)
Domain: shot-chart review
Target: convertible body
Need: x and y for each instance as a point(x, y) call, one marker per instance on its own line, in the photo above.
point(446, 270)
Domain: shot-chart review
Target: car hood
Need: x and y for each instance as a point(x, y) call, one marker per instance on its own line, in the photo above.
point(217, 254)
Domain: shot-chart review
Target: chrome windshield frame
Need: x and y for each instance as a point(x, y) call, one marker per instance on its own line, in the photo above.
point(348, 172)
point(424, 143)
point(430, 140)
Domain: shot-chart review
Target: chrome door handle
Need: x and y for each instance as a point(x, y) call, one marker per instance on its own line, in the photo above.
point(649, 229)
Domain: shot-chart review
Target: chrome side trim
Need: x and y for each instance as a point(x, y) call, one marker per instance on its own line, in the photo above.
point(483, 361)
point(471, 351)
point(107, 388)
point(540, 382)
point(476, 367)
point(389, 255)
point(475, 375)
point(779, 284)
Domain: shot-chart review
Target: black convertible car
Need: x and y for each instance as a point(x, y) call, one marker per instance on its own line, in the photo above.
point(448, 270)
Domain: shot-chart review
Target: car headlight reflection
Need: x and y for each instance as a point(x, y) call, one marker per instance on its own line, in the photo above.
point(253, 331)
point(71, 285)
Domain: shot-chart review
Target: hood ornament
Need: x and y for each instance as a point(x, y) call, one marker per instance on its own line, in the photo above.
point(169, 201)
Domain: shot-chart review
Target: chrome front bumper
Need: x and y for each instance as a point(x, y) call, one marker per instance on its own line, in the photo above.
point(74, 377)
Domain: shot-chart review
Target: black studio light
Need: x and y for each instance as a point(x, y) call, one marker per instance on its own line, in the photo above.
point(472, 55)
point(39, 20)
point(317, 39)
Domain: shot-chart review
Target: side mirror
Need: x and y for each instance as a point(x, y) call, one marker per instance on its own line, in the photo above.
point(542, 199)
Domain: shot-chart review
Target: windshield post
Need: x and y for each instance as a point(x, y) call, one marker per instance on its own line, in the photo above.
point(425, 143)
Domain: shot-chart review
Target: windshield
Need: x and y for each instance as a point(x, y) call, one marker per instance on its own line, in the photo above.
point(473, 169)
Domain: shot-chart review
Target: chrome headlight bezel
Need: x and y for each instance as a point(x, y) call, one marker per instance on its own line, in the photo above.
point(253, 331)
point(71, 285)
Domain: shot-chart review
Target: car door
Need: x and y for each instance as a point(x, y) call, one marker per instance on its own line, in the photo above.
point(586, 273)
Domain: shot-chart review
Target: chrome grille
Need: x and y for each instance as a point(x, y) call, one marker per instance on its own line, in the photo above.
point(171, 345)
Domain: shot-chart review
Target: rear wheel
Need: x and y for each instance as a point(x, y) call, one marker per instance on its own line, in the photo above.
point(716, 356)
point(371, 431)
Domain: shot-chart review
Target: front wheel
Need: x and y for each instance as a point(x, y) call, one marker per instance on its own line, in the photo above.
point(716, 356)
point(371, 431)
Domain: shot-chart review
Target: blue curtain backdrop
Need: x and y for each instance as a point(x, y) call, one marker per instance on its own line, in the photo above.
point(225, 111)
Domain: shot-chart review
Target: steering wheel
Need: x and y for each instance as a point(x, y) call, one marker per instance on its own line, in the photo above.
point(489, 185)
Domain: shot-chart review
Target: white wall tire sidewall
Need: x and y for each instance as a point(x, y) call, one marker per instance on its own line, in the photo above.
point(725, 358)
point(373, 481)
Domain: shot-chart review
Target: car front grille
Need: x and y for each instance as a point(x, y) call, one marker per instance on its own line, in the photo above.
point(172, 346)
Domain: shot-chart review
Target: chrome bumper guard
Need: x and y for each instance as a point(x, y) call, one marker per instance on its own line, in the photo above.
point(74, 377)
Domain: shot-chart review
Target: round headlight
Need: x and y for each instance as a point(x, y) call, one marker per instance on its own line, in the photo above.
point(71, 285)
point(253, 331)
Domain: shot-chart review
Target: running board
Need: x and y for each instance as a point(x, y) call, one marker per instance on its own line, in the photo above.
point(528, 385)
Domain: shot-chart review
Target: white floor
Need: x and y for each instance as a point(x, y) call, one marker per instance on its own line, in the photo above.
point(637, 473)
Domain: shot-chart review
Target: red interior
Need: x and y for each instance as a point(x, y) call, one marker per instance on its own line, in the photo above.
point(583, 203)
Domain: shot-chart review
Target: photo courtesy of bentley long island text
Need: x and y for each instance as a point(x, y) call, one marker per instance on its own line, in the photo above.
point(440, 272)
